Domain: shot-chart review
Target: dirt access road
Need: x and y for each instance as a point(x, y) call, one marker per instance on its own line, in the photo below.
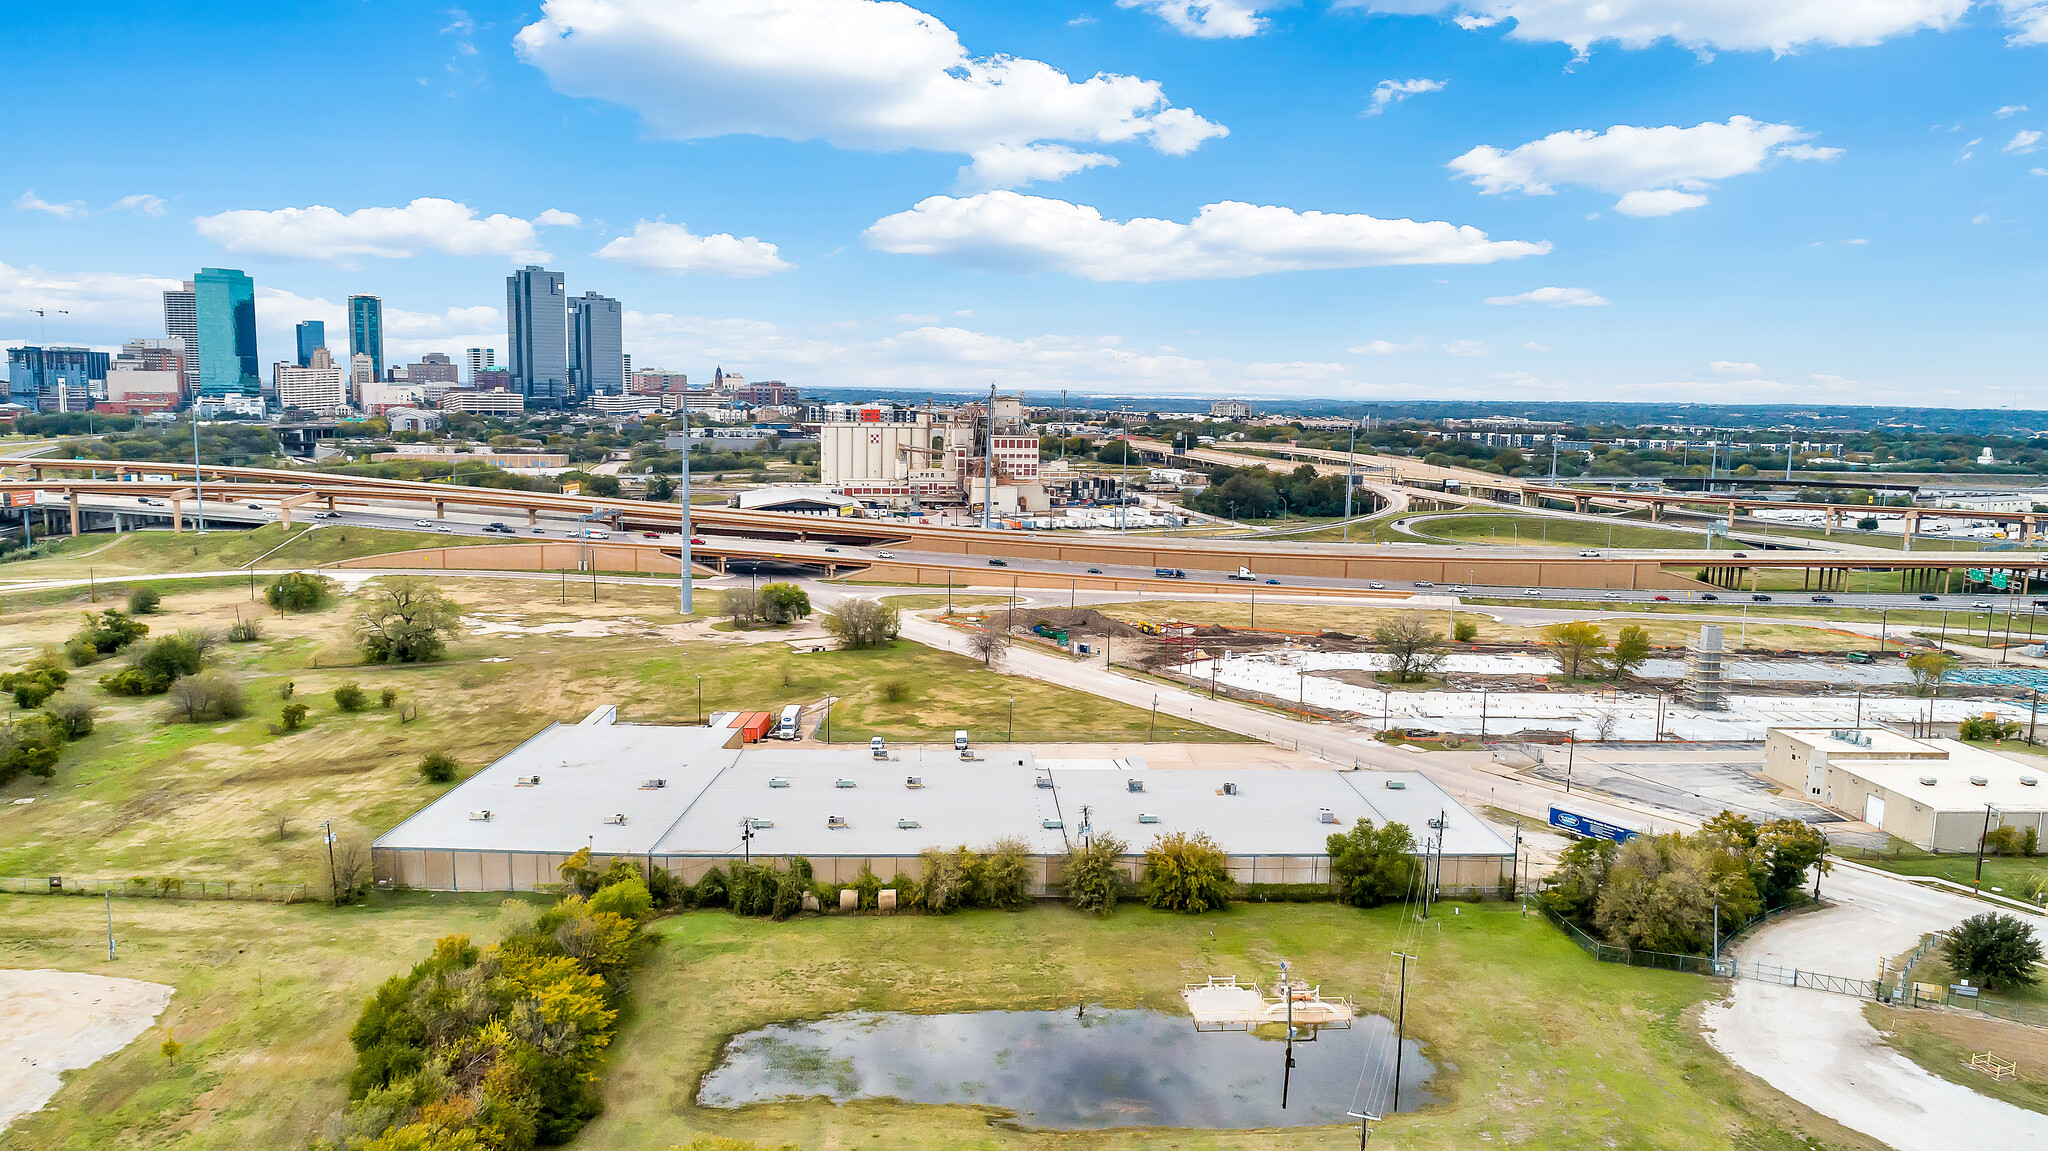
point(1818, 1048)
point(57, 1021)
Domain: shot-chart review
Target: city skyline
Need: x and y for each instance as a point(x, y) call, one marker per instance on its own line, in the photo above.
point(1819, 203)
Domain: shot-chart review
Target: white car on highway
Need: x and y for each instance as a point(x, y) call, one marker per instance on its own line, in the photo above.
point(1531, 591)
point(1458, 587)
point(885, 555)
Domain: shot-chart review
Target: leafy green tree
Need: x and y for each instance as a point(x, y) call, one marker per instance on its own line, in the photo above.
point(1575, 643)
point(1005, 878)
point(1370, 866)
point(784, 603)
point(299, 591)
point(30, 746)
point(1630, 651)
point(858, 622)
point(73, 712)
point(1117, 452)
point(1787, 848)
point(659, 489)
point(1186, 872)
point(42, 678)
point(1574, 888)
point(1995, 949)
point(1093, 874)
point(1414, 649)
point(405, 619)
point(1929, 668)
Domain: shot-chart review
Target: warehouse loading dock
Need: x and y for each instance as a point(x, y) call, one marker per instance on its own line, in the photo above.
point(676, 798)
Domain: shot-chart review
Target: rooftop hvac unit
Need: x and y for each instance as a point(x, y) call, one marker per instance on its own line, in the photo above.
point(777, 781)
point(1979, 781)
point(1928, 781)
point(618, 818)
point(1230, 789)
point(653, 784)
point(1147, 817)
point(1325, 815)
point(913, 782)
point(528, 781)
point(835, 822)
point(480, 816)
point(906, 824)
point(1053, 825)
point(1045, 781)
point(760, 824)
point(1397, 785)
point(842, 783)
point(1134, 785)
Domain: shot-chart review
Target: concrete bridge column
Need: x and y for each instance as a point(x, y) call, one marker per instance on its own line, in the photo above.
point(1529, 499)
point(440, 509)
point(1580, 504)
point(1912, 526)
point(74, 513)
point(532, 517)
point(1828, 522)
point(1656, 511)
point(177, 514)
point(1731, 515)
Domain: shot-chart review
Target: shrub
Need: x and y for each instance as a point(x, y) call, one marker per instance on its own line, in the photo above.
point(1005, 875)
point(895, 691)
point(1464, 631)
point(1186, 873)
point(134, 681)
point(1093, 875)
point(2004, 840)
point(1993, 948)
point(110, 631)
point(1370, 866)
point(208, 696)
point(245, 631)
point(437, 767)
point(40, 680)
point(299, 591)
point(386, 696)
point(627, 899)
point(351, 697)
point(30, 745)
point(293, 717)
point(1984, 727)
point(72, 712)
point(143, 599)
point(710, 889)
point(80, 651)
point(173, 656)
point(285, 689)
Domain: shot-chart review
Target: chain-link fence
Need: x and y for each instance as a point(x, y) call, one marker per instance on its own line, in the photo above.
point(159, 887)
point(982, 736)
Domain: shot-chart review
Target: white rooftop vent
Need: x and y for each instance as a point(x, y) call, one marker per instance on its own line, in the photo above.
point(1054, 825)
point(777, 781)
point(1325, 815)
point(913, 782)
point(1928, 781)
point(1134, 785)
point(835, 822)
point(843, 783)
point(1979, 781)
point(1147, 817)
point(480, 816)
point(906, 824)
point(1397, 785)
point(761, 824)
point(653, 784)
point(617, 817)
point(528, 781)
point(1230, 789)
point(1045, 781)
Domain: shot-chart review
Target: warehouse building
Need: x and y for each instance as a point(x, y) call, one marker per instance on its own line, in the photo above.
point(1935, 794)
point(687, 799)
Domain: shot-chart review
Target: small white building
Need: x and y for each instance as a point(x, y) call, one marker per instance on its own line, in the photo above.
point(1230, 410)
point(1936, 794)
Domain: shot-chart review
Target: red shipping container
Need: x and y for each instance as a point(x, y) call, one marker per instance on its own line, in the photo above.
point(757, 725)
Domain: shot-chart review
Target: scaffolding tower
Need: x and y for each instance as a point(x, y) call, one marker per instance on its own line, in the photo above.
point(1706, 677)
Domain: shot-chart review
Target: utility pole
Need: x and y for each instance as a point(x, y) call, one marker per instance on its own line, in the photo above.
point(1350, 479)
point(1400, 1031)
point(988, 465)
point(1063, 425)
point(110, 925)
point(747, 839)
point(1152, 728)
point(333, 877)
point(1571, 751)
point(700, 701)
point(687, 592)
point(1978, 883)
point(1287, 996)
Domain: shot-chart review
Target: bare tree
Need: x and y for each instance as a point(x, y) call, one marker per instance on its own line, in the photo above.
point(348, 878)
point(990, 644)
point(1413, 649)
point(741, 605)
point(858, 622)
point(280, 820)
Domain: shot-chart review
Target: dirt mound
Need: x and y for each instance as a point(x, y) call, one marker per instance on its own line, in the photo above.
point(1080, 621)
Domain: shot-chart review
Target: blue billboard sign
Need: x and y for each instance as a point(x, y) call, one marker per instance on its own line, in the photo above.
point(1586, 825)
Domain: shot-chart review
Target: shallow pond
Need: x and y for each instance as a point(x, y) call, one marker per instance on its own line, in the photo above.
point(1071, 1069)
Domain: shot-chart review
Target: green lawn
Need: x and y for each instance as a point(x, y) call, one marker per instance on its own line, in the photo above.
point(140, 797)
point(137, 553)
point(2017, 877)
point(1546, 531)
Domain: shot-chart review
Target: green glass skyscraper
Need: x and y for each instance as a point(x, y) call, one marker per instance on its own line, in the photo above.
point(224, 300)
point(366, 330)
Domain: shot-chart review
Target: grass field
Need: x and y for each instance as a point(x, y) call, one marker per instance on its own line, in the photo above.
point(1545, 531)
point(140, 797)
point(1361, 621)
point(2015, 876)
point(132, 553)
point(1538, 1046)
point(1943, 1045)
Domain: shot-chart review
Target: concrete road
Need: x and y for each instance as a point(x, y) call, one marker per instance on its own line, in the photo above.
point(1817, 1046)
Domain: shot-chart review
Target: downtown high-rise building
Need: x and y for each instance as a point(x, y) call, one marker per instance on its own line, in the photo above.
point(597, 365)
point(224, 316)
point(312, 334)
point(536, 328)
point(181, 322)
point(481, 359)
point(366, 330)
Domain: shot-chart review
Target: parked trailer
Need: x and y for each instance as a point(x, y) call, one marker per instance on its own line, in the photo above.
point(1589, 827)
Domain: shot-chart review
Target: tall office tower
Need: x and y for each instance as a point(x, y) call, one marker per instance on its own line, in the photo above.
point(626, 364)
point(481, 359)
point(181, 322)
point(366, 330)
point(596, 365)
point(312, 334)
point(56, 379)
point(536, 327)
point(224, 312)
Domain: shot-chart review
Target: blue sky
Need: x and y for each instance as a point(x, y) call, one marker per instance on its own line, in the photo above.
point(1825, 201)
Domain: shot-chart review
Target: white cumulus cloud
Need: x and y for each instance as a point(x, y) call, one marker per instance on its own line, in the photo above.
point(1395, 91)
point(30, 202)
point(1014, 165)
point(106, 300)
point(2028, 20)
point(2009, 111)
point(2023, 141)
point(1552, 298)
point(1778, 26)
point(674, 249)
point(1007, 231)
point(1657, 171)
point(142, 203)
point(852, 73)
point(1205, 19)
point(1732, 367)
point(1383, 348)
point(427, 224)
point(556, 218)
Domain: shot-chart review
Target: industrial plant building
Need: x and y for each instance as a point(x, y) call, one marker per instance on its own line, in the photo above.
point(687, 799)
point(976, 453)
point(1936, 794)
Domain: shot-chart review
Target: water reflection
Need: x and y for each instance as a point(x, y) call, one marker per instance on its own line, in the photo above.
point(1066, 1070)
